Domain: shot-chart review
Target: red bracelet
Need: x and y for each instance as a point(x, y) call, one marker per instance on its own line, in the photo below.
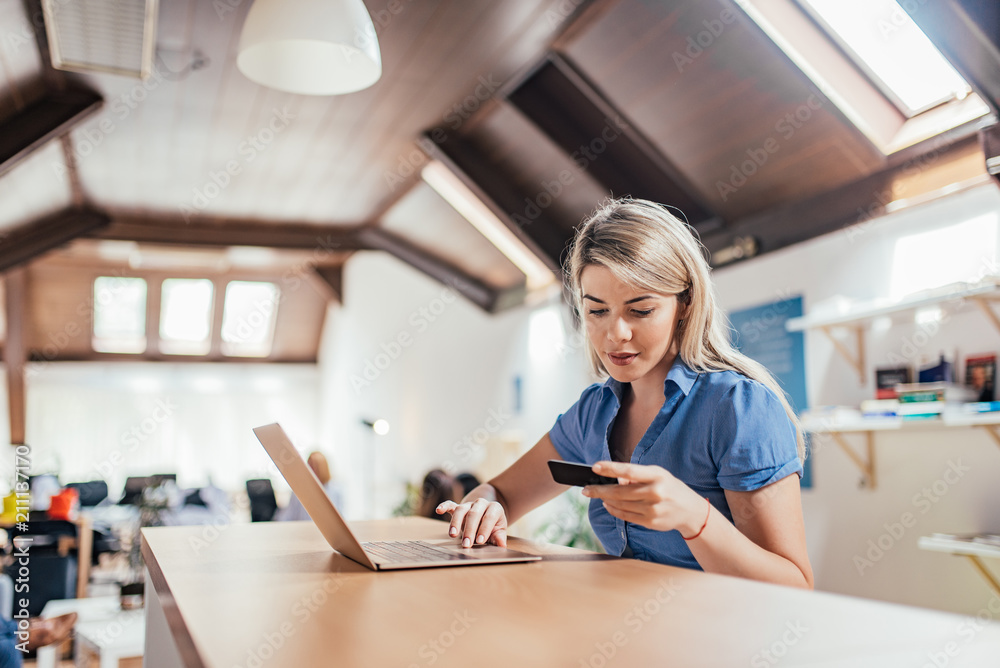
point(703, 525)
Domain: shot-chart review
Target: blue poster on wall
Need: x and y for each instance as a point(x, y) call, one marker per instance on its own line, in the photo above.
point(761, 335)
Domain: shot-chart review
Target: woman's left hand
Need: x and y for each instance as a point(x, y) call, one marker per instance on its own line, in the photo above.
point(649, 496)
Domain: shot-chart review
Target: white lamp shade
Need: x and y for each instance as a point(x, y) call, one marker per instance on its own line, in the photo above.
point(310, 47)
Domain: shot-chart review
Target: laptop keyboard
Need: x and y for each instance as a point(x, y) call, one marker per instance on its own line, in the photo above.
point(405, 551)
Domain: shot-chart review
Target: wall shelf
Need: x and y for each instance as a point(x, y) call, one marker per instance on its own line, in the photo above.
point(966, 548)
point(988, 422)
point(953, 299)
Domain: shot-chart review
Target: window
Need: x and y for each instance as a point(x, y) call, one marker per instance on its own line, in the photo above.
point(119, 315)
point(186, 316)
point(871, 60)
point(248, 318)
point(894, 53)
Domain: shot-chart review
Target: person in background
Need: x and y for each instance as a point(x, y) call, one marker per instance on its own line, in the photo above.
point(15, 644)
point(438, 486)
point(704, 445)
point(294, 511)
point(468, 482)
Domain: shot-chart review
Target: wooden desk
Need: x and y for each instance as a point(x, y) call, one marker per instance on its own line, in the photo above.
point(274, 594)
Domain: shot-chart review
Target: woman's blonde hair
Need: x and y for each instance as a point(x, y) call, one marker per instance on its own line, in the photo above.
point(645, 246)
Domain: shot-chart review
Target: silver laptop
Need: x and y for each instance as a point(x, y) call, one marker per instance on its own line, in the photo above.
point(378, 556)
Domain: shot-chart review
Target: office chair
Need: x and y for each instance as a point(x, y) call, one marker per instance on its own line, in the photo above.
point(263, 504)
point(132, 494)
point(53, 571)
point(91, 492)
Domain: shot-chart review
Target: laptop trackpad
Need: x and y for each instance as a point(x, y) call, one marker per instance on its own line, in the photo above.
point(476, 551)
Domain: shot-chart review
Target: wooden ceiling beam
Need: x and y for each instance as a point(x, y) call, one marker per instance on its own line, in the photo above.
point(332, 277)
point(78, 197)
point(14, 352)
point(472, 288)
point(323, 239)
point(571, 110)
point(989, 139)
point(24, 243)
point(49, 117)
point(499, 195)
point(850, 208)
point(229, 232)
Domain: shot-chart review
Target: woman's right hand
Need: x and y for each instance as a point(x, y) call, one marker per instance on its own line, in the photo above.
point(477, 522)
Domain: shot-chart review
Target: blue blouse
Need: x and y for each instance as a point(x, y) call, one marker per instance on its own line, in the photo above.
point(715, 431)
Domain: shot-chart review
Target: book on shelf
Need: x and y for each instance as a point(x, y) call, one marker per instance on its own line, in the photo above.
point(937, 391)
point(886, 380)
point(981, 407)
point(940, 372)
point(876, 408)
point(920, 408)
point(980, 371)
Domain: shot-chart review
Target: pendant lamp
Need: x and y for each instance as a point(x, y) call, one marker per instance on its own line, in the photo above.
point(310, 47)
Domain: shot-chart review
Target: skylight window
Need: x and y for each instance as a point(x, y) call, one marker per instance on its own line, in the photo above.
point(888, 46)
point(119, 315)
point(248, 318)
point(186, 316)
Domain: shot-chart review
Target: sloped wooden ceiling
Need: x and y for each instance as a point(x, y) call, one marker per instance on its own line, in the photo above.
point(736, 117)
point(720, 124)
point(714, 119)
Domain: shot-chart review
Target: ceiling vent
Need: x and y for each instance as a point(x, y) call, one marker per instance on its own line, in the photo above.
point(110, 36)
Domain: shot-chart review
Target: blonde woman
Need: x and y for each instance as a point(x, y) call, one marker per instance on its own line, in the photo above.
point(706, 449)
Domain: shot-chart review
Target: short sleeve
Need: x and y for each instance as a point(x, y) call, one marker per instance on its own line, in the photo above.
point(569, 433)
point(753, 440)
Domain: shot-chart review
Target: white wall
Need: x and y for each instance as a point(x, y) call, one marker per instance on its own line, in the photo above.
point(841, 518)
point(90, 420)
point(441, 371)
